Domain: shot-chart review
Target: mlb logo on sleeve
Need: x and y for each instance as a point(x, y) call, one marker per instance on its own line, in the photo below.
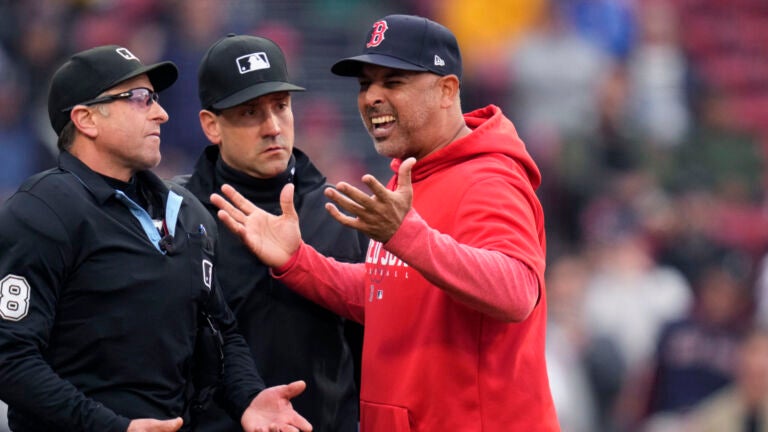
point(252, 62)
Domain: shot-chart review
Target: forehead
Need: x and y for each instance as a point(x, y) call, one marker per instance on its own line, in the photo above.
point(371, 70)
point(374, 72)
point(264, 99)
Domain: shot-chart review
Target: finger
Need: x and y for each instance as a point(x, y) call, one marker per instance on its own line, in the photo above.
point(375, 186)
point(238, 200)
point(342, 218)
point(231, 224)
point(354, 194)
point(286, 201)
point(302, 424)
point(344, 202)
point(225, 206)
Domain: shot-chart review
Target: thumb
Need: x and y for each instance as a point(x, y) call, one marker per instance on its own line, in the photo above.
point(172, 425)
point(404, 173)
point(286, 201)
point(294, 389)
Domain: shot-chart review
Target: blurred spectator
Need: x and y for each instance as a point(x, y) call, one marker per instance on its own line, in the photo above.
point(567, 344)
point(319, 133)
point(658, 77)
point(22, 151)
point(629, 296)
point(554, 86)
point(609, 24)
point(761, 292)
point(194, 25)
point(742, 406)
point(484, 37)
point(695, 355)
point(555, 76)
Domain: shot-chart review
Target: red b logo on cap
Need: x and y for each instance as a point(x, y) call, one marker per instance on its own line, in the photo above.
point(379, 27)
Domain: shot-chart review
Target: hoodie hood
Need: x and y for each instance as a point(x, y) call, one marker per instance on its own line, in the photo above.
point(492, 132)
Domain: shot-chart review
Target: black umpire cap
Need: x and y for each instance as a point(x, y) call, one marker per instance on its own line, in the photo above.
point(89, 73)
point(406, 42)
point(238, 68)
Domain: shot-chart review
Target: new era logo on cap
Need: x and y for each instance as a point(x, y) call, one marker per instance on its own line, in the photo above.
point(439, 61)
point(252, 62)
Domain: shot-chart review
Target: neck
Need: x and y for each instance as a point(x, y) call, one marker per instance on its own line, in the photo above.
point(93, 159)
point(460, 130)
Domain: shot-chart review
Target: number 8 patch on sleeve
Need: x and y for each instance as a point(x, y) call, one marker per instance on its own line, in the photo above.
point(14, 297)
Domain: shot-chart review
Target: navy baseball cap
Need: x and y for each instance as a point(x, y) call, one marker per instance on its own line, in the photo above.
point(89, 73)
point(236, 69)
point(406, 42)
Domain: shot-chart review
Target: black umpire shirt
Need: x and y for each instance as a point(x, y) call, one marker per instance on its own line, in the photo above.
point(97, 317)
point(291, 337)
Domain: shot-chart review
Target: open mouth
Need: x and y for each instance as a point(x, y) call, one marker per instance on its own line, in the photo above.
point(382, 124)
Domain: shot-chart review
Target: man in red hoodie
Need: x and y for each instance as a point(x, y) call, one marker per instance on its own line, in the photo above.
point(452, 292)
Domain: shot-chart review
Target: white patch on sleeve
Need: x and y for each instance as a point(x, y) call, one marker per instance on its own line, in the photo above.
point(14, 297)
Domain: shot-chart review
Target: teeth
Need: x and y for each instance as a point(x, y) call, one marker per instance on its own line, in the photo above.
point(382, 119)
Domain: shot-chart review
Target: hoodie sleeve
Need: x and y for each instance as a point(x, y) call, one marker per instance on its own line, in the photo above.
point(334, 285)
point(493, 261)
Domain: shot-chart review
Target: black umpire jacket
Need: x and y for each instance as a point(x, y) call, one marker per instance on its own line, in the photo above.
point(97, 323)
point(291, 338)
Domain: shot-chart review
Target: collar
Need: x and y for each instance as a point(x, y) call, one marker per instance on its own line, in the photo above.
point(255, 189)
point(206, 178)
point(94, 183)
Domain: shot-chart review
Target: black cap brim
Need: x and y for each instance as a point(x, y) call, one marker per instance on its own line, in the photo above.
point(255, 91)
point(162, 75)
point(352, 66)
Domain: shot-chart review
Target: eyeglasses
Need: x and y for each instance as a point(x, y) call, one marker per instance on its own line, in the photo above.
point(140, 96)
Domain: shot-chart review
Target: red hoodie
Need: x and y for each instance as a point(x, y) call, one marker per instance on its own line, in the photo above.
point(454, 304)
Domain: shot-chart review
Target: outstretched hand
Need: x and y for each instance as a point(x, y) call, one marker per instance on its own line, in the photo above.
point(271, 410)
point(378, 215)
point(273, 239)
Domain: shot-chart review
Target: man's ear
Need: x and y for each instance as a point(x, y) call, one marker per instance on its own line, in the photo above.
point(210, 125)
point(85, 121)
point(449, 90)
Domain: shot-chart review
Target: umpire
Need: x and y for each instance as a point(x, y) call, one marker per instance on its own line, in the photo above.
point(106, 274)
point(247, 115)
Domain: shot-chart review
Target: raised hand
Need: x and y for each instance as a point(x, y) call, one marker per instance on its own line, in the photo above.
point(378, 215)
point(271, 410)
point(273, 239)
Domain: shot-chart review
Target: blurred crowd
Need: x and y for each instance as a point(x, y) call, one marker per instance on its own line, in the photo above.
point(648, 119)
